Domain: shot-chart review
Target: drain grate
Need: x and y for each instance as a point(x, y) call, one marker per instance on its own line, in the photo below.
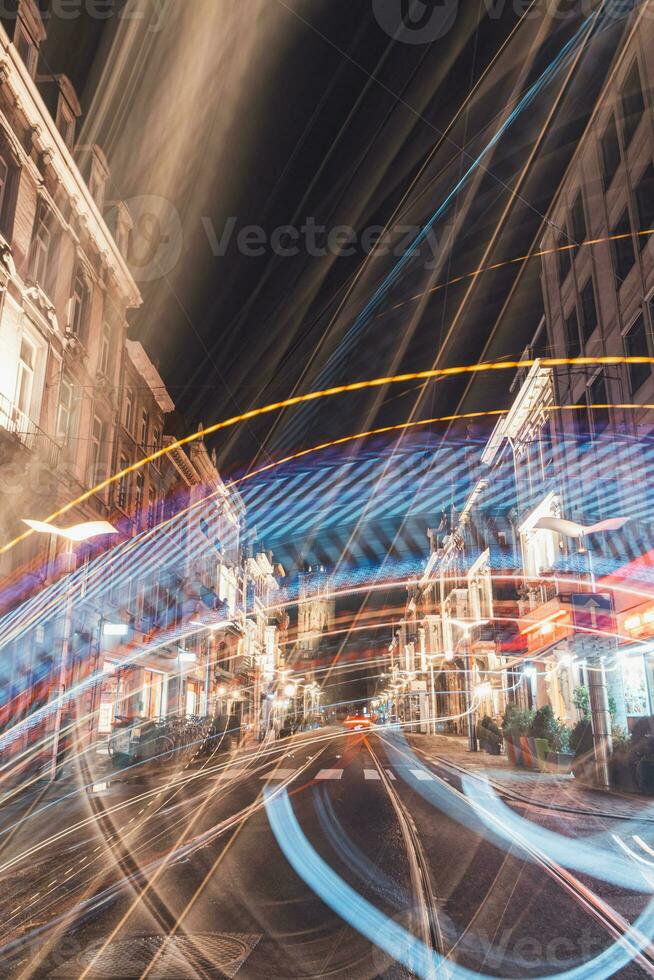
point(180, 957)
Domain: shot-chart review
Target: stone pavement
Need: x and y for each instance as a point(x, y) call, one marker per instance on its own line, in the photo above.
point(551, 790)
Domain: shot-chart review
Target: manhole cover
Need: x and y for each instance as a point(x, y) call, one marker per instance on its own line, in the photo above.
point(218, 954)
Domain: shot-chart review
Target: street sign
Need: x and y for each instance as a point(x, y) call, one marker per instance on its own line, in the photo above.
point(593, 619)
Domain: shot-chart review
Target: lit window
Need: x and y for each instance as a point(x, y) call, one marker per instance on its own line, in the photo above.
point(25, 381)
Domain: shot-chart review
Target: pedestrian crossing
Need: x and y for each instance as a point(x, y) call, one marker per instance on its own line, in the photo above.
point(369, 775)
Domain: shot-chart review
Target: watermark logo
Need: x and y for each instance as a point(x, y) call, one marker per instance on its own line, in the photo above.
point(415, 21)
point(157, 237)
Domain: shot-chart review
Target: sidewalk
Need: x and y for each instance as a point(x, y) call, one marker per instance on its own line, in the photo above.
point(552, 790)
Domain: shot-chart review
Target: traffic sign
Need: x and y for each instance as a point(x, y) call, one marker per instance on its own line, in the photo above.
point(593, 620)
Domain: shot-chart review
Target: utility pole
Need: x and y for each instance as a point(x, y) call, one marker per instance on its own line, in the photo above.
point(472, 735)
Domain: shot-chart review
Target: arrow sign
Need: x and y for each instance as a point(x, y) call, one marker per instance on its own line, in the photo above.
point(592, 612)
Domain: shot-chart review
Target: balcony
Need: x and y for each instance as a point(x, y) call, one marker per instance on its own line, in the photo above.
point(34, 439)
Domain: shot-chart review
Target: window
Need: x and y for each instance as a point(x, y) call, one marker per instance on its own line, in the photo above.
point(41, 249)
point(645, 203)
point(129, 410)
point(623, 248)
point(597, 395)
point(635, 345)
point(610, 150)
point(565, 257)
point(632, 103)
point(573, 345)
point(156, 439)
point(4, 190)
point(105, 351)
point(95, 451)
point(578, 221)
point(79, 306)
point(152, 508)
point(25, 380)
point(143, 432)
point(588, 310)
point(122, 497)
point(26, 48)
point(138, 495)
point(66, 125)
point(66, 410)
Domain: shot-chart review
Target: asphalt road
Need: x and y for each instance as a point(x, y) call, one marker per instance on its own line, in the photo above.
point(363, 857)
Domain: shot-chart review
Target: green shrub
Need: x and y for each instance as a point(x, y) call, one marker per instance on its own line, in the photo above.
point(621, 739)
point(561, 740)
point(544, 725)
point(581, 738)
point(489, 731)
point(517, 721)
point(581, 700)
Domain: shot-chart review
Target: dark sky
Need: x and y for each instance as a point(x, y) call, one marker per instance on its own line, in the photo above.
point(330, 120)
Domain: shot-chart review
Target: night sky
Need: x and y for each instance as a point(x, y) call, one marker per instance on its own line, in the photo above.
point(330, 120)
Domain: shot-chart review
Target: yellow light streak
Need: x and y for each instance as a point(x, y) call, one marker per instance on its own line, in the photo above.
point(330, 392)
point(504, 263)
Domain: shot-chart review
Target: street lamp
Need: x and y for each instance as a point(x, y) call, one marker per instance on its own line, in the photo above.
point(74, 534)
point(600, 715)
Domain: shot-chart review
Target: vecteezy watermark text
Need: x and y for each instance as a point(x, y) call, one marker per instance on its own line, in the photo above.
point(151, 12)
point(316, 240)
point(425, 21)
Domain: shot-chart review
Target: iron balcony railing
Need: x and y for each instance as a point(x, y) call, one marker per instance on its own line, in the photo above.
point(28, 433)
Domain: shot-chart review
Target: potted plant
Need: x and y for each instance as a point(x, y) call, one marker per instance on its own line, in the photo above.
point(542, 732)
point(489, 735)
point(560, 757)
point(581, 743)
point(515, 726)
point(619, 767)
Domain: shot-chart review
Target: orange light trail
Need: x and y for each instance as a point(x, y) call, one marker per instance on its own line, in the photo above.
point(376, 382)
point(514, 261)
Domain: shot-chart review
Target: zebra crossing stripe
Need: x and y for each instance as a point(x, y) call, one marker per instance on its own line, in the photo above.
point(422, 774)
point(330, 774)
point(279, 774)
point(371, 774)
